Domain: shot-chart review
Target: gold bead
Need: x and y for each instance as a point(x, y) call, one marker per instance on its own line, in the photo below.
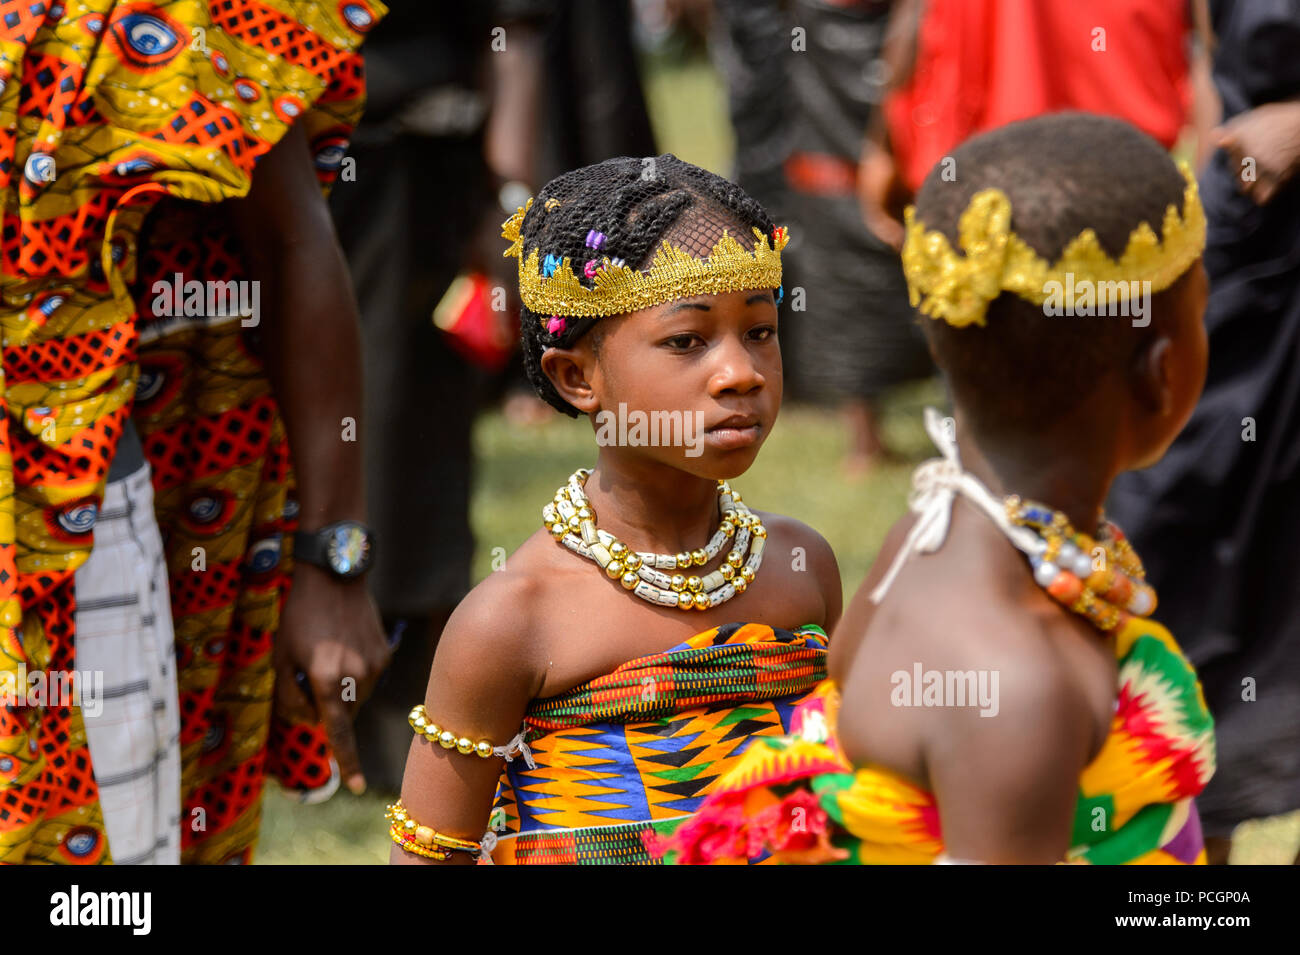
point(561, 495)
point(700, 557)
point(727, 571)
point(446, 739)
point(678, 583)
point(740, 583)
point(419, 723)
point(747, 573)
point(618, 549)
point(432, 732)
point(685, 601)
point(586, 514)
point(683, 559)
point(558, 530)
point(759, 530)
point(729, 516)
point(483, 748)
point(574, 523)
point(701, 601)
point(614, 569)
point(416, 712)
point(727, 528)
point(410, 825)
point(632, 561)
point(735, 497)
point(629, 580)
point(464, 746)
point(694, 584)
point(424, 836)
point(735, 558)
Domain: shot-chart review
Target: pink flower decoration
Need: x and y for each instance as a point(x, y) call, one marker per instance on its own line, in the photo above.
point(716, 833)
point(556, 325)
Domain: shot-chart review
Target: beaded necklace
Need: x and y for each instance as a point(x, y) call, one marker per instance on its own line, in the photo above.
point(1100, 578)
point(572, 522)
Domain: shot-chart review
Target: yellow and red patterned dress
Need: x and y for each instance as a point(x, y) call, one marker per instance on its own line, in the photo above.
point(114, 112)
point(795, 799)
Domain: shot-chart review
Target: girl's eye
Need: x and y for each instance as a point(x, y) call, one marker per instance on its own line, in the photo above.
point(682, 342)
point(762, 333)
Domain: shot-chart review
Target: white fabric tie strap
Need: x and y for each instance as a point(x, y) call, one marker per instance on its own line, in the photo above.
point(485, 847)
point(935, 484)
point(516, 747)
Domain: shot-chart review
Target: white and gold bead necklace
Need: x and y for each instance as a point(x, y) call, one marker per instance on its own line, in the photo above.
point(572, 522)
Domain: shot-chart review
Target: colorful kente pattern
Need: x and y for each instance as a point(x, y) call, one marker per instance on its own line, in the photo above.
point(1136, 798)
point(108, 107)
point(642, 746)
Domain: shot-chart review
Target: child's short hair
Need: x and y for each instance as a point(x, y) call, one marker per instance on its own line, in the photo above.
point(635, 204)
point(1062, 173)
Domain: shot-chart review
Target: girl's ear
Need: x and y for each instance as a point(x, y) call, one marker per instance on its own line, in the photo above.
point(570, 370)
point(1153, 374)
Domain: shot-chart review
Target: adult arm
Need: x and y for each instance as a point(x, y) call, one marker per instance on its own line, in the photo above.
point(330, 629)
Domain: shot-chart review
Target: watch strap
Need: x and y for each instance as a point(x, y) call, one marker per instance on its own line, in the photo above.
point(309, 547)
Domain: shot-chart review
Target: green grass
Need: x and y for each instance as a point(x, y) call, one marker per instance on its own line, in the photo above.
point(798, 473)
point(688, 111)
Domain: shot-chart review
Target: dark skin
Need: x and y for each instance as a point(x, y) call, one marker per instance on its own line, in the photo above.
point(551, 621)
point(1006, 786)
point(329, 629)
point(1270, 135)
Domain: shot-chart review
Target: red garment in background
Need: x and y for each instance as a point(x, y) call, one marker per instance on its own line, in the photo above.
point(984, 63)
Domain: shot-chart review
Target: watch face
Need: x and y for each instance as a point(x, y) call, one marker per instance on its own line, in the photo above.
point(348, 549)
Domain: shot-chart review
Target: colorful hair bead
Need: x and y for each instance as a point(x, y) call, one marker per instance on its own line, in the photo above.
point(595, 240)
point(780, 294)
point(550, 264)
point(590, 269)
point(556, 325)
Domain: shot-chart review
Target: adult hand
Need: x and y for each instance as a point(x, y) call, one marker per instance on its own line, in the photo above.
point(1263, 146)
point(330, 630)
point(877, 184)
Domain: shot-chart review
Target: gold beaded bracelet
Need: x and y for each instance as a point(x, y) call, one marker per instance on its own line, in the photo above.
point(424, 841)
point(445, 738)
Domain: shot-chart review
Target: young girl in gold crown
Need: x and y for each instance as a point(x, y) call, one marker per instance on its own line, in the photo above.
point(595, 689)
point(1000, 691)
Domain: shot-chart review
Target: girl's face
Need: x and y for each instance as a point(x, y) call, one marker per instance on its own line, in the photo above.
point(694, 383)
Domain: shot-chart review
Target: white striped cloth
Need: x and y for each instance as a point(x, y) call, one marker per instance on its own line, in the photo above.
point(124, 630)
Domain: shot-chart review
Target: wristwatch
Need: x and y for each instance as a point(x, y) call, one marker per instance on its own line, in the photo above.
point(345, 548)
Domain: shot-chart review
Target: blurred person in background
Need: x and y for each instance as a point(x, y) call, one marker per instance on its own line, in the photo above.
point(805, 81)
point(1233, 476)
point(954, 68)
point(138, 129)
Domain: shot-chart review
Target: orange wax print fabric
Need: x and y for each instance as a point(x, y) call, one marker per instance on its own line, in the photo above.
point(108, 108)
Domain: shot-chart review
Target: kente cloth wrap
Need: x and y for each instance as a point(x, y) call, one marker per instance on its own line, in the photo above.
point(627, 754)
point(795, 799)
point(111, 111)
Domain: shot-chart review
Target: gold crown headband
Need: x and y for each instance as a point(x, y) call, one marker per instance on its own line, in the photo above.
point(551, 288)
point(958, 288)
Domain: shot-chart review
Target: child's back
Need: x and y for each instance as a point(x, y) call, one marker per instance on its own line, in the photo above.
point(1000, 695)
